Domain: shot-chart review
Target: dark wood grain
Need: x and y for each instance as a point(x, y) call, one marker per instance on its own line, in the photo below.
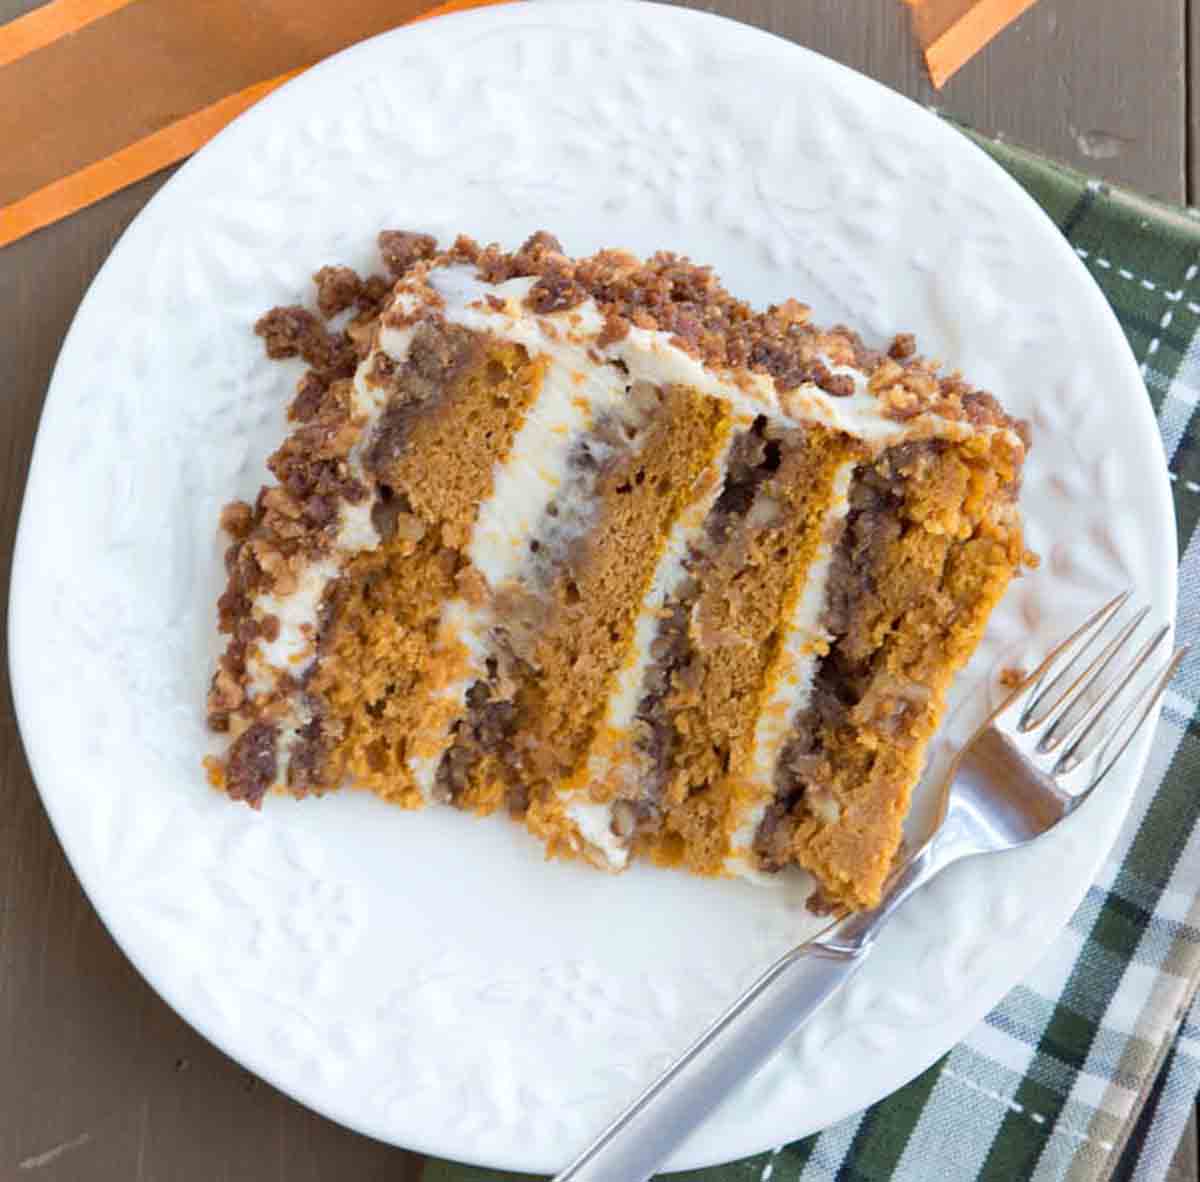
point(1192, 130)
point(99, 1080)
point(1186, 1165)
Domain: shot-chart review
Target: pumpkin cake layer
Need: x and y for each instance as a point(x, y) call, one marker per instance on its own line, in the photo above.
point(594, 543)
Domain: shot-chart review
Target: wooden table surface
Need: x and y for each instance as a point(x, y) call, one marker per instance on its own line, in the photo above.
point(99, 1080)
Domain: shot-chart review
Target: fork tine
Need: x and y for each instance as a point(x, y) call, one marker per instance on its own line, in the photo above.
point(1073, 756)
point(1146, 700)
point(1075, 699)
point(1090, 629)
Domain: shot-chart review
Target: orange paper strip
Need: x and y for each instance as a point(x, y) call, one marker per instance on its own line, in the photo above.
point(47, 24)
point(952, 32)
point(140, 159)
point(149, 154)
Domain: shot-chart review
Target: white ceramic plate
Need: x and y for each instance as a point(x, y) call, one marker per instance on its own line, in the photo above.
point(428, 979)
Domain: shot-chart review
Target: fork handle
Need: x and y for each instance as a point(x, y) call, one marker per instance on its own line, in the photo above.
point(736, 1045)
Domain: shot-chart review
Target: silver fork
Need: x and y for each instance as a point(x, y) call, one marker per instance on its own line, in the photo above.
point(1034, 761)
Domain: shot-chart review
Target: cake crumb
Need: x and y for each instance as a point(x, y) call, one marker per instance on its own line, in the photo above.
point(237, 519)
point(1012, 676)
point(402, 249)
point(337, 289)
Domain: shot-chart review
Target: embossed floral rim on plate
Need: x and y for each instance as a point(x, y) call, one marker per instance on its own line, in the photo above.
point(427, 979)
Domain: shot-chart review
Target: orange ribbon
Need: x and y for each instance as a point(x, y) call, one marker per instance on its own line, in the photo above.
point(951, 32)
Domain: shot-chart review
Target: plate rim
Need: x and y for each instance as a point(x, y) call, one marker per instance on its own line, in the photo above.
point(21, 588)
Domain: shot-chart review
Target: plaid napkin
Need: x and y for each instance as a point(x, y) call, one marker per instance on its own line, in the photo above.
point(1086, 1071)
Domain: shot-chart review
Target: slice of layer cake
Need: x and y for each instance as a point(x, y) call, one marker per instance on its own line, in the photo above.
point(593, 542)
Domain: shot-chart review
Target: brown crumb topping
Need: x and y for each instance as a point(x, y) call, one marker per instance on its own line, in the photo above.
point(337, 289)
point(237, 519)
point(402, 249)
point(839, 385)
point(250, 768)
point(668, 293)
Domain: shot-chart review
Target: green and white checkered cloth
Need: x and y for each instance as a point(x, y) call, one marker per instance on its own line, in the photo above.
point(1088, 1070)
